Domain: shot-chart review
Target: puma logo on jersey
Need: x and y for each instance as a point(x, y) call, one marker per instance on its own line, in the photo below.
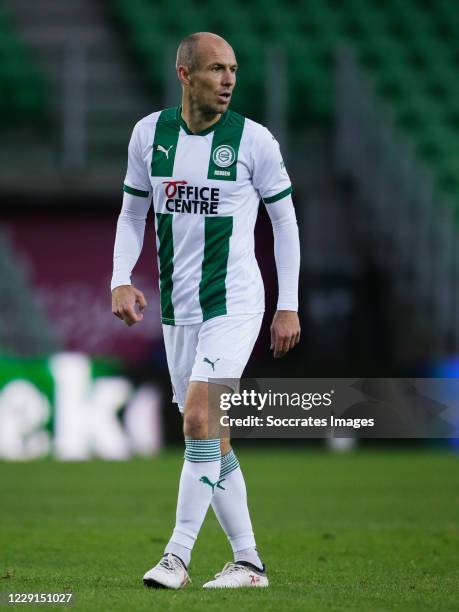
point(164, 150)
point(217, 484)
point(212, 363)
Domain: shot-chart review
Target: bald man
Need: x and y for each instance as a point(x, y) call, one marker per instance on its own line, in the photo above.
point(206, 169)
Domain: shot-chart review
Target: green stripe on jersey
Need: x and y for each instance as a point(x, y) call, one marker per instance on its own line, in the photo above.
point(166, 266)
point(165, 143)
point(278, 196)
point(212, 288)
point(136, 192)
point(225, 148)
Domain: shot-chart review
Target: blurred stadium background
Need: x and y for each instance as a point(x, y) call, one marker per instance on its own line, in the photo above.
point(364, 99)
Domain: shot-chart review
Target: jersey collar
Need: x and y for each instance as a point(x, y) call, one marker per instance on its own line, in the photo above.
point(223, 119)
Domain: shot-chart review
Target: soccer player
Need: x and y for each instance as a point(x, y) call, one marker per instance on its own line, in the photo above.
point(206, 168)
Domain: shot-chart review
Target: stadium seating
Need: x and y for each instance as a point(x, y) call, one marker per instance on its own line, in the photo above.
point(23, 96)
point(409, 47)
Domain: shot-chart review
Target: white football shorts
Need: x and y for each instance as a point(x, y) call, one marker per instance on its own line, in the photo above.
point(217, 348)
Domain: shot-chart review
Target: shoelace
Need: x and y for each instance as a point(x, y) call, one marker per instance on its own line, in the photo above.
point(230, 568)
point(170, 563)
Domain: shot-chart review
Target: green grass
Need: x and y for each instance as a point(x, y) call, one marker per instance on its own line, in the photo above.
point(366, 531)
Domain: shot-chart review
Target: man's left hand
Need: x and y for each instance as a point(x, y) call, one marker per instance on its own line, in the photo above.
point(285, 332)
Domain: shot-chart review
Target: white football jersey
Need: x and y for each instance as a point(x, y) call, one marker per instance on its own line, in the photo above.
point(206, 189)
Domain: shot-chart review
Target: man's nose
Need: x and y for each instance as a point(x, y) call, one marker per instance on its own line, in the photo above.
point(229, 77)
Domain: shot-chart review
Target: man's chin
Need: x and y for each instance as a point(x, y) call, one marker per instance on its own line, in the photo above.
point(223, 107)
point(218, 108)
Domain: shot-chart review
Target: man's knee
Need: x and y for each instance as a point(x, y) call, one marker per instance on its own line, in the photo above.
point(202, 411)
point(195, 417)
point(195, 424)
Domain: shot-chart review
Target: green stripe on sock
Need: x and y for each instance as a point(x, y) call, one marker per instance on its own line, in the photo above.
point(165, 143)
point(194, 459)
point(212, 288)
point(227, 469)
point(166, 266)
point(202, 450)
point(229, 463)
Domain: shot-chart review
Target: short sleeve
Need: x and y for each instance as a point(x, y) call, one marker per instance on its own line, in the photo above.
point(270, 177)
point(137, 181)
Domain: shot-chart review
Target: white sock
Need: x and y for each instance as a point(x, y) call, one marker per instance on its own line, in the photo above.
point(230, 506)
point(199, 478)
point(250, 555)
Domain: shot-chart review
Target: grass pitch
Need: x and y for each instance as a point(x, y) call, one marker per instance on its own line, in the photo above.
point(365, 531)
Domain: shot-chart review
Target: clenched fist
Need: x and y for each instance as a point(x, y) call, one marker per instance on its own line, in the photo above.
point(285, 332)
point(124, 300)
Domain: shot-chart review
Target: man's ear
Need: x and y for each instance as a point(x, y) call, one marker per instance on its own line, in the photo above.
point(183, 75)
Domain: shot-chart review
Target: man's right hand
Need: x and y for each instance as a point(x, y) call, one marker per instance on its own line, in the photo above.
point(124, 300)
